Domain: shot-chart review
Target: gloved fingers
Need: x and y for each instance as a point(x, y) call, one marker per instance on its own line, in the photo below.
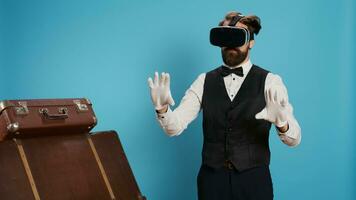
point(150, 83)
point(284, 102)
point(168, 80)
point(170, 100)
point(285, 95)
point(278, 96)
point(266, 97)
point(275, 96)
point(282, 98)
point(262, 114)
point(156, 78)
point(161, 81)
point(269, 94)
point(283, 91)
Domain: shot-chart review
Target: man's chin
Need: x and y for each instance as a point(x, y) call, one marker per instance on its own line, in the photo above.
point(230, 62)
point(232, 56)
point(233, 61)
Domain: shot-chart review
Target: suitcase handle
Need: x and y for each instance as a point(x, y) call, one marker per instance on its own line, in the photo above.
point(63, 114)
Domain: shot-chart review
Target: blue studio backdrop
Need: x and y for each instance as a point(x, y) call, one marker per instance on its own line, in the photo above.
point(106, 50)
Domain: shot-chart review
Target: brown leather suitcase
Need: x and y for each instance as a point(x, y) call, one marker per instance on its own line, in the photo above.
point(52, 161)
point(25, 118)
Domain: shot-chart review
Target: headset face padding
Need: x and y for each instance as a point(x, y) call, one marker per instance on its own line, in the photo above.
point(229, 36)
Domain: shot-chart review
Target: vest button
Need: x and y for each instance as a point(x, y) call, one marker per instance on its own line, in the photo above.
point(229, 129)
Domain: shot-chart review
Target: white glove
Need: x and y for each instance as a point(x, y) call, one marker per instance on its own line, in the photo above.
point(275, 110)
point(160, 91)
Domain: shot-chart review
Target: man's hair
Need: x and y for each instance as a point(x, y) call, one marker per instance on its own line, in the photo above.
point(252, 22)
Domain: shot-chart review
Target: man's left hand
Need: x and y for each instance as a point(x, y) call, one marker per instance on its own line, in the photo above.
point(275, 110)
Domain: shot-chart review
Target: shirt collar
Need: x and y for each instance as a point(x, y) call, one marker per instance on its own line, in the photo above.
point(246, 66)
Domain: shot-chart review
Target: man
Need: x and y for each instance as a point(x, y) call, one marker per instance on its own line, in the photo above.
point(239, 101)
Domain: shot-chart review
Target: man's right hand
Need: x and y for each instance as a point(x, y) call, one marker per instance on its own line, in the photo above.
point(160, 91)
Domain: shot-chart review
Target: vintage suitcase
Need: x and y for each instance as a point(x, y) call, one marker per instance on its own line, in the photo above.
point(45, 116)
point(53, 161)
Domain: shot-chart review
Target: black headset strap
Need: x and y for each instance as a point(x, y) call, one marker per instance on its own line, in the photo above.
point(235, 19)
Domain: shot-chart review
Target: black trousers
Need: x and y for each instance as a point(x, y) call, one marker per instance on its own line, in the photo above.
point(230, 184)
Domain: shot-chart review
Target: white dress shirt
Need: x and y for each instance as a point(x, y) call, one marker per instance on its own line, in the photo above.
point(176, 121)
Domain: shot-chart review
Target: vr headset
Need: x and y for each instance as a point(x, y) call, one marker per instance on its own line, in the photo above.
point(230, 36)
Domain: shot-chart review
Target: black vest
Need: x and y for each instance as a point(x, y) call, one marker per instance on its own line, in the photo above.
point(231, 131)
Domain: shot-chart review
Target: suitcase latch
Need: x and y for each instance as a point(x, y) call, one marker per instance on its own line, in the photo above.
point(22, 109)
point(81, 107)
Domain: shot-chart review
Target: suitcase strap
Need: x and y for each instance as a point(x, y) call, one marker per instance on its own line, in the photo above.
point(102, 171)
point(27, 169)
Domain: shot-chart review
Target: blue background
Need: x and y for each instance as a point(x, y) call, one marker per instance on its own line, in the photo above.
point(106, 50)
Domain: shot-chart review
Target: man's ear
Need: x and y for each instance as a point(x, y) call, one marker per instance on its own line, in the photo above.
point(251, 44)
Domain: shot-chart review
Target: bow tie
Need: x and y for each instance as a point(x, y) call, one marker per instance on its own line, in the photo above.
point(225, 71)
